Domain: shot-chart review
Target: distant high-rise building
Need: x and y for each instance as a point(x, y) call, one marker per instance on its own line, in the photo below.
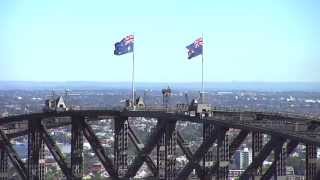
point(245, 158)
point(242, 158)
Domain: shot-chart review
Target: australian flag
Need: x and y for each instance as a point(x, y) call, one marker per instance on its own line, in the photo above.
point(124, 46)
point(195, 48)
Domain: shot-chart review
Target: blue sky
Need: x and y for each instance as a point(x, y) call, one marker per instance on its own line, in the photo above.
point(245, 40)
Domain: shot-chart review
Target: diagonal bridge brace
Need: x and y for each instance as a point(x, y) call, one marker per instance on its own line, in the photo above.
point(200, 152)
point(291, 146)
point(235, 144)
point(270, 171)
point(16, 161)
point(136, 141)
point(98, 149)
point(186, 150)
point(55, 151)
point(274, 143)
point(152, 142)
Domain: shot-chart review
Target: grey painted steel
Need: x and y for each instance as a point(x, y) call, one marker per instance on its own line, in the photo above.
point(55, 151)
point(223, 155)
point(151, 143)
point(76, 148)
point(197, 156)
point(137, 143)
point(311, 161)
point(13, 156)
point(3, 164)
point(35, 151)
point(166, 153)
point(292, 128)
point(186, 150)
point(263, 154)
point(223, 118)
point(235, 144)
point(121, 146)
point(209, 157)
point(271, 170)
point(256, 148)
point(98, 149)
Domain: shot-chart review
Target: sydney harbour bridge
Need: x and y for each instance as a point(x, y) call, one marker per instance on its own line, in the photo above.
point(286, 132)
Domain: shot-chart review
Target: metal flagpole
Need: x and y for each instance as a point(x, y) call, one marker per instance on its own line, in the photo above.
point(202, 87)
point(133, 101)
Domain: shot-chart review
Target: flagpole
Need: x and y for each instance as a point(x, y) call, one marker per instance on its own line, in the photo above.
point(133, 101)
point(202, 86)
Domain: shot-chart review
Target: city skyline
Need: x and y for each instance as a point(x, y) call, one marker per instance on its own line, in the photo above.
point(245, 41)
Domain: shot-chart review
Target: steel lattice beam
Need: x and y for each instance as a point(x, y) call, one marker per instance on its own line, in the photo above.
point(15, 160)
point(311, 161)
point(152, 142)
point(198, 155)
point(121, 145)
point(235, 144)
point(237, 141)
point(270, 171)
point(55, 151)
point(76, 148)
point(209, 156)
point(273, 143)
point(166, 149)
point(35, 150)
point(186, 150)
point(3, 164)
point(223, 156)
point(138, 145)
point(98, 149)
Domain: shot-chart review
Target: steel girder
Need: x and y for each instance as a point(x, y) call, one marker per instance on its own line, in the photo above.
point(35, 151)
point(237, 141)
point(146, 150)
point(138, 145)
point(271, 170)
point(186, 150)
point(198, 155)
point(76, 148)
point(15, 160)
point(311, 161)
point(209, 157)
point(166, 153)
point(235, 144)
point(98, 149)
point(121, 145)
point(3, 164)
point(55, 151)
point(257, 141)
point(263, 154)
point(223, 156)
point(280, 158)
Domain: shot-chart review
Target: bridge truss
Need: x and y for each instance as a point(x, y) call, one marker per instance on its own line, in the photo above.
point(285, 134)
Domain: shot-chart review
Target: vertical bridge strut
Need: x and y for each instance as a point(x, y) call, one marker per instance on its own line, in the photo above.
point(121, 145)
point(209, 161)
point(263, 154)
point(166, 152)
point(76, 147)
point(35, 150)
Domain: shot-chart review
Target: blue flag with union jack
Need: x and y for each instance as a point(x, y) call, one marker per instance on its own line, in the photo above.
point(195, 48)
point(124, 46)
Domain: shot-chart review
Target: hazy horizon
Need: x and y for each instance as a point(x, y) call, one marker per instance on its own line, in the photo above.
point(181, 86)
